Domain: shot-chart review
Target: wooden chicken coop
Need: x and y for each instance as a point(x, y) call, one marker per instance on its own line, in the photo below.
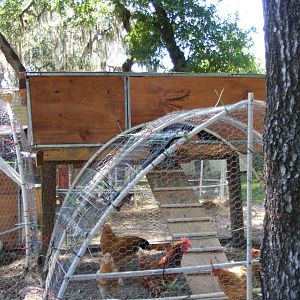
point(71, 114)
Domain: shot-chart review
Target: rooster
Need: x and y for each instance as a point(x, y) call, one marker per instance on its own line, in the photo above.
point(121, 248)
point(232, 281)
point(156, 284)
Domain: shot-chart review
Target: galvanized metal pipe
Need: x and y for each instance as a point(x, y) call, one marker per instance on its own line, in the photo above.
point(22, 185)
point(249, 195)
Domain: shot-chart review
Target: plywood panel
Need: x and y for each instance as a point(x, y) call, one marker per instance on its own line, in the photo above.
point(68, 109)
point(152, 97)
point(8, 210)
point(76, 110)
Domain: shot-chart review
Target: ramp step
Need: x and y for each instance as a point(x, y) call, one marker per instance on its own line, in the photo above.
point(184, 220)
point(210, 296)
point(174, 188)
point(194, 235)
point(180, 205)
point(166, 171)
point(206, 249)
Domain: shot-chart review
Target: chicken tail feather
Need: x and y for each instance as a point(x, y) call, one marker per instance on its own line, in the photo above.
point(144, 244)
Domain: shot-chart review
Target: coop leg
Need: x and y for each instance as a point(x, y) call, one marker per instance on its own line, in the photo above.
point(48, 204)
point(235, 201)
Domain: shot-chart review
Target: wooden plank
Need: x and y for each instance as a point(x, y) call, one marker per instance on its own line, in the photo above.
point(206, 249)
point(38, 195)
point(175, 197)
point(164, 171)
point(201, 226)
point(186, 153)
point(162, 95)
point(76, 110)
point(194, 235)
point(184, 220)
point(182, 211)
point(181, 205)
point(48, 203)
point(192, 259)
point(68, 154)
point(209, 296)
point(205, 243)
point(203, 284)
point(168, 180)
point(90, 109)
point(179, 188)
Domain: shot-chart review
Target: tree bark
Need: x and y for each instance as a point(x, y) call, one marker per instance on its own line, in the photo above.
point(10, 55)
point(281, 243)
point(48, 180)
point(167, 32)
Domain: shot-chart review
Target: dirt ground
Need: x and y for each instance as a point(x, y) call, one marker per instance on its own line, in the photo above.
point(143, 219)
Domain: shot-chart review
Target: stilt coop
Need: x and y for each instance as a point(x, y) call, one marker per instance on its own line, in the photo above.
point(151, 186)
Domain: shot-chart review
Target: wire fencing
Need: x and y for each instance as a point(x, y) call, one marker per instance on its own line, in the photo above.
point(19, 238)
point(160, 212)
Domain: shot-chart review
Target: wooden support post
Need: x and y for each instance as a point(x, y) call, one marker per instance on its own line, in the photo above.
point(48, 182)
point(235, 201)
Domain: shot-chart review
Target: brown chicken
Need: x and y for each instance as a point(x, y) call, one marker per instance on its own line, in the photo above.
point(256, 268)
point(107, 286)
point(232, 281)
point(156, 284)
point(121, 248)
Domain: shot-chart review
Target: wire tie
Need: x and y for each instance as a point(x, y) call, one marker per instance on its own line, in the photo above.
point(78, 255)
point(185, 135)
point(225, 108)
point(250, 150)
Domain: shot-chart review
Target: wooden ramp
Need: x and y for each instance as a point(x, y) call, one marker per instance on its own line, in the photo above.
point(185, 217)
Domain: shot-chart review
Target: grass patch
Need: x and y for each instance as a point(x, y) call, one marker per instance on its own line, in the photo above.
point(257, 191)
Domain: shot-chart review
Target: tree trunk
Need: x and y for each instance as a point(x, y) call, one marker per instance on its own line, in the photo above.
point(10, 55)
point(166, 29)
point(281, 242)
point(48, 205)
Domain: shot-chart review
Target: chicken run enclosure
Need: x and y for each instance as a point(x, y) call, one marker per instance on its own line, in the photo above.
point(153, 157)
point(167, 209)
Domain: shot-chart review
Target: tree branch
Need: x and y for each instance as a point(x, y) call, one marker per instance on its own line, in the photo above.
point(87, 49)
point(10, 55)
point(165, 27)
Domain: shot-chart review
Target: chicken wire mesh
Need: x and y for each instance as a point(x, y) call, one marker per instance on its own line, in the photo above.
point(160, 212)
point(18, 232)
